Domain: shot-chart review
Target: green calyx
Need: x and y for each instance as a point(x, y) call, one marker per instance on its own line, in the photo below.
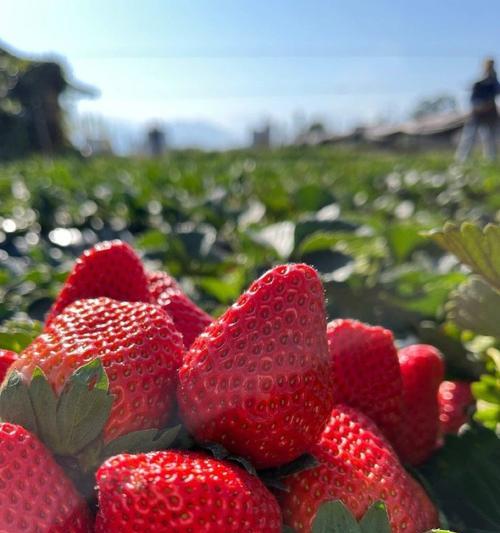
point(334, 517)
point(274, 477)
point(71, 425)
point(66, 424)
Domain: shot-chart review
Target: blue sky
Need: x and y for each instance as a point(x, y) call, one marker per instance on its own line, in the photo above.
point(238, 62)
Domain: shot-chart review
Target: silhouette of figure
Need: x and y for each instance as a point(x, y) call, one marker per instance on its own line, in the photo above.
point(156, 140)
point(484, 116)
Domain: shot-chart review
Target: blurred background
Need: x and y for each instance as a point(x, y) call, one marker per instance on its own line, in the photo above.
point(227, 74)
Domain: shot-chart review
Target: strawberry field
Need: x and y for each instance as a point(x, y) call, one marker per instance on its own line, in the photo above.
point(386, 419)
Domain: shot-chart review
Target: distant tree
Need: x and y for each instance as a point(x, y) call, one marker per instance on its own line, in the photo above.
point(31, 116)
point(317, 128)
point(436, 105)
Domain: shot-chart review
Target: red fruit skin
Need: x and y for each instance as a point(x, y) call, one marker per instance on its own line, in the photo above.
point(455, 398)
point(366, 372)
point(182, 492)
point(111, 269)
point(6, 359)
point(140, 350)
point(35, 494)
point(188, 318)
point(258, 379)
point(422, 370)
point(358, 467)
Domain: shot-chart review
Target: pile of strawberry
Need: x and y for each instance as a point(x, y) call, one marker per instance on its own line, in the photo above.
point(167, 420)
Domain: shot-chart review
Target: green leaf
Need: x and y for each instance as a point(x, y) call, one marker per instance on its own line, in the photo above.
point(83, 409)
point(44, 402)
point(311, 197)
point(17, 333)
point(287, 529)
point(331, 264)
point(376, 519)
point(403, 238)
point(308, 227)
point(152, 240)
point(464, 479)
point(334, 517)
point(474, 306)
point(15, 403)
point(143, 441)
point(460, 364)
point(317, 241)
point(476, 248)
point(487, 392)
point(421, 291)
point(225, 289)
point(279, 236)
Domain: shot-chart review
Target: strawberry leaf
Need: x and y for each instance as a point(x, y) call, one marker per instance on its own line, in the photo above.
point(376, 519)
point(476, 248)
point(287, 529)
point(15, 403)
point(279, 237)
point(18, 332)
point(334, 517)
point(144, 441)
point(83, 409)
point(487, 392)
point(474, 307)
point(467, 490)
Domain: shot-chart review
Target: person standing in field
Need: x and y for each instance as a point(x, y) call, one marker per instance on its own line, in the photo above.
point(484, 116)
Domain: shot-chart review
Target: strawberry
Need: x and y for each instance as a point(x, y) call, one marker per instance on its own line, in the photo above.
point(140, 350)
point(188, 318)
point(109, 269)
point(6, 359)
point(35, 494)
point(182, 492)
point(258, 379)
point(366, 372)
point(455, 398)
point(358, 467)
point(422, 371)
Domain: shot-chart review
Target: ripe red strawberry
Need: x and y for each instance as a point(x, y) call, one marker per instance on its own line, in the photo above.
point(366, 372)
point(258, 379)
point(454, 397)
point(35, 494)
point(358, 467)
point(422, 371)
point(109, 269)
point(6, 359)
point(188, 318)
point(140, 350)
point(182, 492)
